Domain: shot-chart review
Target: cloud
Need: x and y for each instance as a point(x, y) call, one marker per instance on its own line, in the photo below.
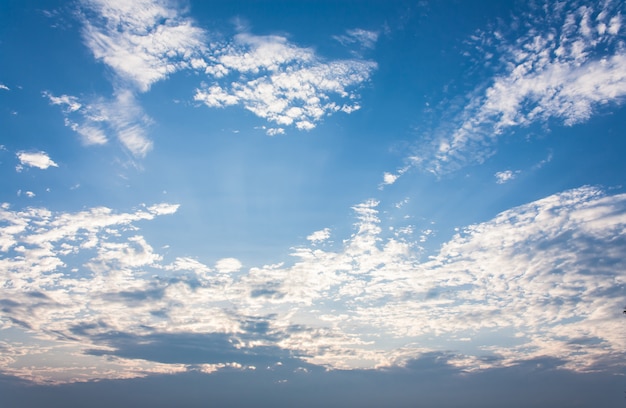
point(288, 383)
point(565, 66)
point(363, 38)
point(275, 131)
point(281, 82)
point(70, 102)
point(228, 265)
point(143, 41)
point(319, 236)
point(4, 87)
point(541, 279)
point(121, 116)
point(40, 160)
point(146, 41)
point(389, 178)
point(127, 119)
point(505, 176)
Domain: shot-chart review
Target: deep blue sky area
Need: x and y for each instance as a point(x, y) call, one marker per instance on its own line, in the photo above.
point(312, 203)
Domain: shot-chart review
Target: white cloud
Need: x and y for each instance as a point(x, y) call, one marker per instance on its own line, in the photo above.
point(129, 122)
point(70, 102)
point(135, 252)
point(163, 209)
point(505, 176)
point(319, 236)
point(90, 134)
point(122, 116)
point(143, 41)
point(565, 72)
point(281, 82)
point(540, 278)
point(40, 160)
point(228, 265)
point(389, 178)
point(275, 131)
point(4, 87)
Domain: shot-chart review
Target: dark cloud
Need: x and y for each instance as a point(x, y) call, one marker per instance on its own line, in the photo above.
point(426, 382)
point(189, 348)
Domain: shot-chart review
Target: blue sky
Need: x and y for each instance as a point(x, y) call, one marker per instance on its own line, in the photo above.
point(279, 197)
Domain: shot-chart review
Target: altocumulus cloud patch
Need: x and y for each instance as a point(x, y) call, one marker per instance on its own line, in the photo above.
point(534, 258)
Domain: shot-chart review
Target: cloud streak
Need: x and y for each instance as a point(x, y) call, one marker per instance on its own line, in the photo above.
point(121, 116)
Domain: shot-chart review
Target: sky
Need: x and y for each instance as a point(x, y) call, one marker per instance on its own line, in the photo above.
point(312, 203)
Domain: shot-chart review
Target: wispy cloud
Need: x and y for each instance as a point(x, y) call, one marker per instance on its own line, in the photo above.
point(40, 160)
point(142, 41)
point(4, 87)
point(364, 38)
point(566, 72)
point(121, 116)
point(70, 103)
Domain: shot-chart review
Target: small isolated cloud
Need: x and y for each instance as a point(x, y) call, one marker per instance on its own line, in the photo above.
point(505, 176)
point(319, 236)
point(163, 209)
point(40, 160)
point(29, 194)
point(4, 87)
point(228, 265)
point(389, 178)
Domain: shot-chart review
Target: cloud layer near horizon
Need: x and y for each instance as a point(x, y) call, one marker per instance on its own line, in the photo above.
point(546, 278)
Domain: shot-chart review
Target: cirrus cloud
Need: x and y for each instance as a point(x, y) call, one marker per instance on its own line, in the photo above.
point(565, 74)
